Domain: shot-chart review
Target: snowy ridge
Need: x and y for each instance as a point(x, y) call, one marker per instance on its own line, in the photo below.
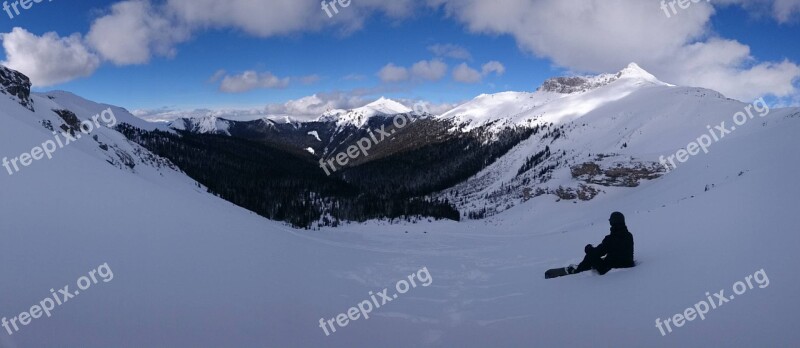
point(580, 84)
point(202, 125)
point(619, 125)
point(103, 146)
point(81, 106)
point(558, 100)
point(358, 117)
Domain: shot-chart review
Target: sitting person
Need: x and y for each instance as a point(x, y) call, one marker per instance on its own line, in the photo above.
point(616, 250)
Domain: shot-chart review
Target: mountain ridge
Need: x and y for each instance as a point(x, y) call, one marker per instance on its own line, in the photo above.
point(486, 155)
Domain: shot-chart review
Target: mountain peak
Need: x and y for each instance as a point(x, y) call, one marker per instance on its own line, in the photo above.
point(359, 116)
point(386, 106)
point(633, 70)
point(580, 84)
point(204, 125)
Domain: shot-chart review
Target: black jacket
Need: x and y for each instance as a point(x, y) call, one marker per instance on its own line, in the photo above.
point(617, 248)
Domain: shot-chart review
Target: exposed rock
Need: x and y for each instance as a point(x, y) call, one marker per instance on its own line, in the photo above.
point(622, 174)
point(586, 192)
point(588, 169)
point(71, 120)
point(17, 86)
point(583, 192)
point(576, 84)
point(566, 193)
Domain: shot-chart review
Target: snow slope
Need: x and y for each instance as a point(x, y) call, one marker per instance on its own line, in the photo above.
point(633, 120)
point(191, 270)
point(559, 100)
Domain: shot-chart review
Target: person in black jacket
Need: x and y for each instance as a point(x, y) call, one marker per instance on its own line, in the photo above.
point(616, 250)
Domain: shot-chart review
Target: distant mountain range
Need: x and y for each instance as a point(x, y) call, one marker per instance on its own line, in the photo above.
point(574, 138)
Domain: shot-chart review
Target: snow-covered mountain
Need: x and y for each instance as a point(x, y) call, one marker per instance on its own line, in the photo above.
point(627, 122)
point(193, 270)
point(324, 136)
point(58, 118)
point(358, 117)
point(558, 100)
point(209, 124)
point(202, 125)
point(336, 126)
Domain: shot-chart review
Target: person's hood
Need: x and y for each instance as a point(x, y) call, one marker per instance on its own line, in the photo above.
point(617, 219)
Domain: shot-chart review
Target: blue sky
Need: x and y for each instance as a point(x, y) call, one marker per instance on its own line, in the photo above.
point(744, 49)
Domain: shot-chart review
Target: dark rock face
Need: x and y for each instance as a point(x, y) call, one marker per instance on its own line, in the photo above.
point(568, 85)
point(73, 124)
point(17, 86)
point(563, 84)
point(627, 174)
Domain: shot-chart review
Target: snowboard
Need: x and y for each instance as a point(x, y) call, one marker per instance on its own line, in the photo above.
point(556, 272)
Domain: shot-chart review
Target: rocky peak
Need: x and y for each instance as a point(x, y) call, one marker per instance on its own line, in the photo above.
point(17, 86)
point(576, 84)
point(579, 84)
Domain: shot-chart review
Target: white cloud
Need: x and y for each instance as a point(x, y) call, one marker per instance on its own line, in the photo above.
point(283, 17)
point(393, 73)
point(431, 70)
point(786, 10)
point(783, 11)
point(493, 67)
point(726, 66)
point(250, 80)
point(450, 51)
point(309, 79)
point(424, 70)
point(48, 59)
point(354, 77)
point(133, 32)
point(217, 76)
point(463, 73)
point(258, 18)
point(604, 36)
point(585, 36)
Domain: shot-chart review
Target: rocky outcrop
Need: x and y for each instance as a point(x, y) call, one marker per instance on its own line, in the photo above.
point(72, 123)
point(17, 86)
point(576, 84)
point(621, 174)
